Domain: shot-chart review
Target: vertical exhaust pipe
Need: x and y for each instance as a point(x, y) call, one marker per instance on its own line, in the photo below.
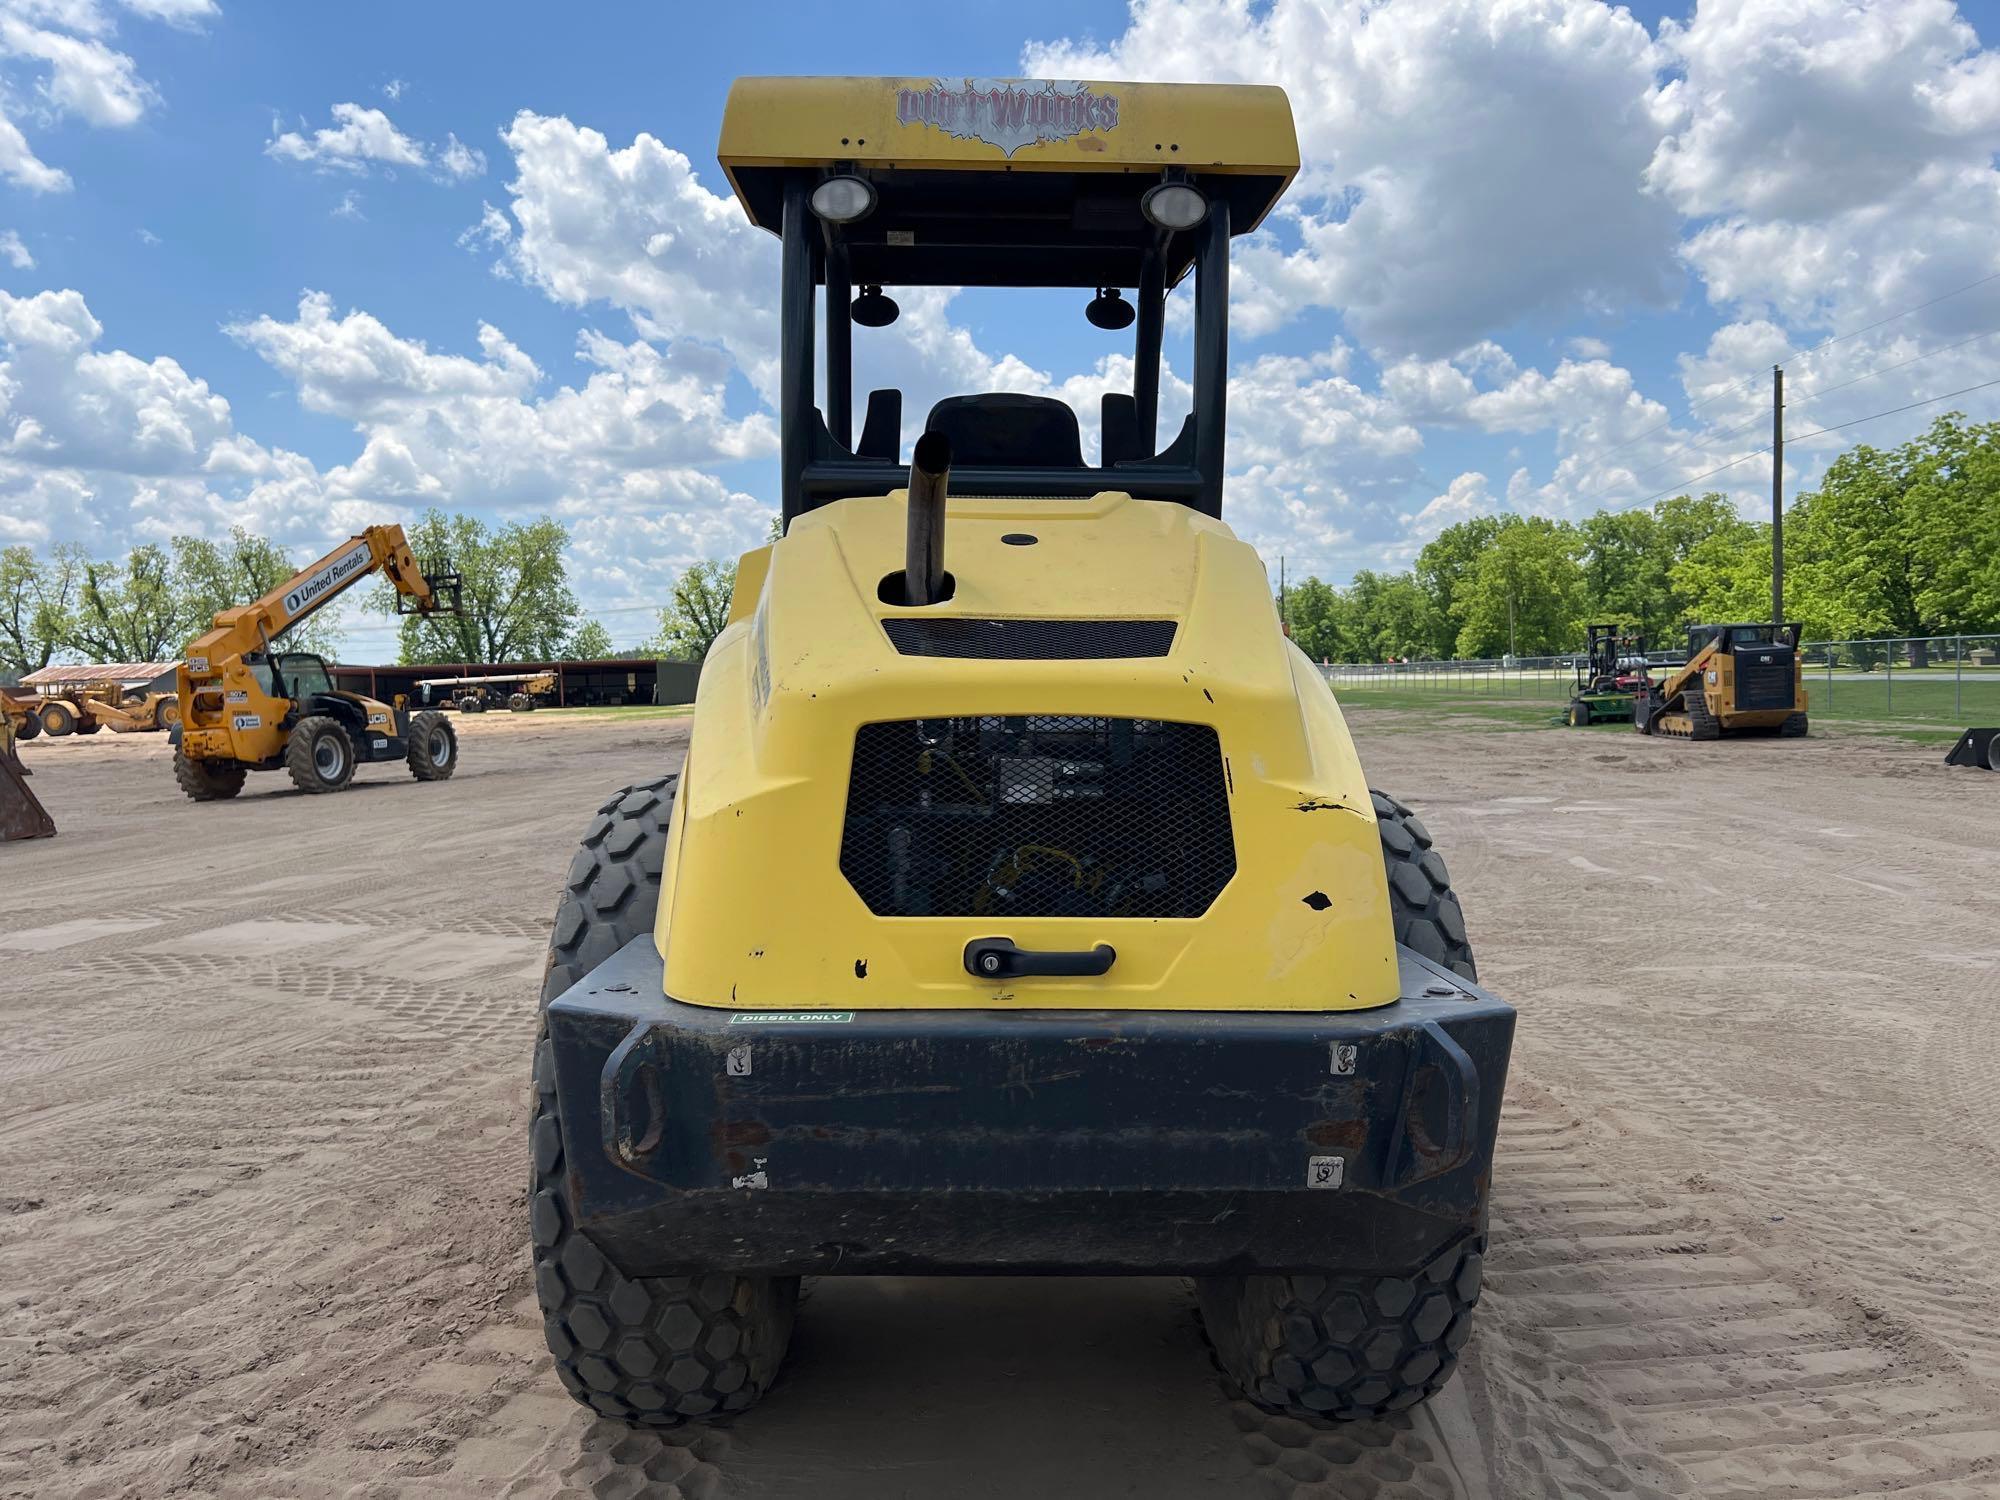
point(923, 551)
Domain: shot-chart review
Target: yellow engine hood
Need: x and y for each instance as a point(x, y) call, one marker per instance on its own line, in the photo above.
point(755, 911)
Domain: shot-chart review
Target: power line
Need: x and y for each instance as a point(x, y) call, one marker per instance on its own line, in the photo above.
point(1798, 353)
point(1899, 365)
point(1817, 431)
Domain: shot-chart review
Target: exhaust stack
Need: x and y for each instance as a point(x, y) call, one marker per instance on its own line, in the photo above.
point(923, 552)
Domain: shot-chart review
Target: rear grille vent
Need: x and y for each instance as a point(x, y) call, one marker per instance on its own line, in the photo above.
point(1029, 640)
point(1764, 684)
point(1037, 816)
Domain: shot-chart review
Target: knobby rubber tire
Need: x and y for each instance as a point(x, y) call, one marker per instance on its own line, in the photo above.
point(299, 754)
point(417, 753)
point(1342, 1346)
point(208, 780)
point(650, 1351)
point(1425, 909)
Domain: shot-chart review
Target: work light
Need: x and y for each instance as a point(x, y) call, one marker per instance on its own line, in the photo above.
point(843, 200)
point(1174, 205)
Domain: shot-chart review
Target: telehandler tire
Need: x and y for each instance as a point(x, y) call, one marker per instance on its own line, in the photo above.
point(208, 780)
point(319, 757)
point(651, 1351)
point(433, 751)
point(58, 719)
point(521, 703)
point(1355, 1346)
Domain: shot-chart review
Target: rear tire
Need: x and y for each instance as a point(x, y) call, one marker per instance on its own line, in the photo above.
point(471, 705)
point(169, 713)
point(1352, 1346)
point(1346, 1347)
point(58, 719)
point(1424, 908)
point(1579, 716)
point(433, 747)
point(29, 727)
point(87, 726)
point(208, 780)
point(320, 756)
point(521, 703)
point(650, 1351)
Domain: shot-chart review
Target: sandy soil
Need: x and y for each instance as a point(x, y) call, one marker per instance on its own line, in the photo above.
point(262, 1091)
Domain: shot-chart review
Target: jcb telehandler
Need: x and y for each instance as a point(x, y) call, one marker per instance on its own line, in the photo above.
point(1021, 905)
point(246, 706)
point(1738, 679)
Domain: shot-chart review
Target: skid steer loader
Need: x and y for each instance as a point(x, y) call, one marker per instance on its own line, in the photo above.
point(1738, 679)
point(1022, 905)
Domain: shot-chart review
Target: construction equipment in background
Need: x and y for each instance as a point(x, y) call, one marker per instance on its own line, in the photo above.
point(85, 708)
point(1609, 676)
point(23, 714)
point(248, 707)
point(1738, 679)
point(1023, 906)
point(474, 695)
point(22, 815)
point(1976, 747)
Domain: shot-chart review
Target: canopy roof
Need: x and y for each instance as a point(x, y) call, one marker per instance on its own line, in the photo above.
point(1006, 182)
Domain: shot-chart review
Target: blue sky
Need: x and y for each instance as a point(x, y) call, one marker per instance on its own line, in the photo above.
point(1540, 258)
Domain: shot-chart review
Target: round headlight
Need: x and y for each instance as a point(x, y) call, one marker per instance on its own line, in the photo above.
point(1174, 205)
point(842, 200)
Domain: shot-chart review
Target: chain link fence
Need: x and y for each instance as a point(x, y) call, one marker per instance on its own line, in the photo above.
point(1948, 678)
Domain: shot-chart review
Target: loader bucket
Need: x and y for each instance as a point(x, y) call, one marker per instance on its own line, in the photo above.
point(22, 815)
point(1976, 747)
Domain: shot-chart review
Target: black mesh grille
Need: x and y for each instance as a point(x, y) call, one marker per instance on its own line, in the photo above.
point(1030, 640)
point(1037, 816)
point(1764, 684)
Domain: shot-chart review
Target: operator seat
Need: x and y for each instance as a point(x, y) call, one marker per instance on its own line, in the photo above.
point(1000, 428)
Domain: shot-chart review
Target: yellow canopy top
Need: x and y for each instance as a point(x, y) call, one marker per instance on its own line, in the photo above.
point(772, 126)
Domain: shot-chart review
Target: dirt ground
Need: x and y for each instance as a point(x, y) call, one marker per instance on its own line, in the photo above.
point(262, 1101)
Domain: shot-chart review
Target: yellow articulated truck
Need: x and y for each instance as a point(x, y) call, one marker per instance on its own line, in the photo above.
point(1022, 905)
point(246, 706)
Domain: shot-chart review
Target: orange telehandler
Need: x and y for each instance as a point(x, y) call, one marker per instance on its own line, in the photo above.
point(248, 707)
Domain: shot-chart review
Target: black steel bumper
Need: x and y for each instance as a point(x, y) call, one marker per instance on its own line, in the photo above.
point(915, 1141)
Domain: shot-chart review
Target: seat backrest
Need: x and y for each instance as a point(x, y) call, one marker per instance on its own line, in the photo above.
point(1118, 429)
point(1005, 429)
point(881, 429)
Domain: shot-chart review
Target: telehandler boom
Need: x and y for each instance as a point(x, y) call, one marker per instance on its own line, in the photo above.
point(248, 707)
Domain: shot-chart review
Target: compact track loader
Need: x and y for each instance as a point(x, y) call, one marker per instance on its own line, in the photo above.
point(1022, 905)
point(246, 706)
point(1738, 679)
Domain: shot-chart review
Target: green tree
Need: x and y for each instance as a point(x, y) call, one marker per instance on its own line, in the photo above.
point(592, 642)
point(1445, 567)
point(516, 606)
point(1391, 617)
point(127, 612)
point(1900, 542)
point(1726, 576)
point(699, 609)
point(1626, 570)
point(1526, 595)
point(36, 602)
point(209, 577)
point(1314, 610)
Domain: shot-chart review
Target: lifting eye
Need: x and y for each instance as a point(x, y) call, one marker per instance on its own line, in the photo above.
point(1109, 310)
point(873, 310)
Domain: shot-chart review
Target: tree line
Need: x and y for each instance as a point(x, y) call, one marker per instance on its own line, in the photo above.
point(1893, 542)
point(66, 605)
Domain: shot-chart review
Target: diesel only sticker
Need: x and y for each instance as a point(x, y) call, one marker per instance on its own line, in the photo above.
point(781, 1017)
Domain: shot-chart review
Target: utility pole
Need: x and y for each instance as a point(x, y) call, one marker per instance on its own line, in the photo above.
point(1777, 495)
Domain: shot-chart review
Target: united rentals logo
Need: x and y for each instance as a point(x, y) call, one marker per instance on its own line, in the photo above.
point(322, 583)
point(1008, 113)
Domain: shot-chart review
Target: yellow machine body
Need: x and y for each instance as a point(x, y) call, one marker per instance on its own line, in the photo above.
point(1711, 675)
point(755, 911)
